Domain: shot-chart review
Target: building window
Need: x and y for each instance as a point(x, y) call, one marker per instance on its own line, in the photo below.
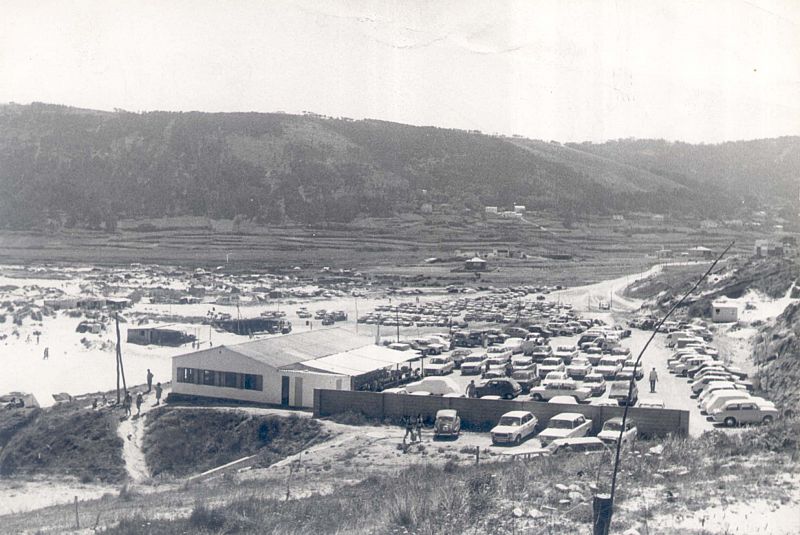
point(252, 382)
point(187, 375)
point(208, 377)
point(230, 379)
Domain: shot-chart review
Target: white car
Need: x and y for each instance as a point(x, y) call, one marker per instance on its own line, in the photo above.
point(555, 377)
point(565, 425)
point(437, 386)
point(473, 364)
point(439, 365)
point(566, 353)
point(551, 364)
point(716, 399)
point(570, 388)
point(514, 427)
point(521, 363)
point(610, 431)
point(579, 368)
point(608, 367)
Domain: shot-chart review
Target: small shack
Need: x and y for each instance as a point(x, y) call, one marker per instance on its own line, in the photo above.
point(700, 252)
point(162, 335)
point(724, 312)
point(476, 264)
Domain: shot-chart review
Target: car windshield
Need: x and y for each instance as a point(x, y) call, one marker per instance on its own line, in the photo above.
point(446, 419)
point(520, 375)
point(612, 426)
point(597, 379)
point(473, 359)
point(560, 424)
point(437, 361)
point(512, 421)
point(551, 362)
point(608, 362)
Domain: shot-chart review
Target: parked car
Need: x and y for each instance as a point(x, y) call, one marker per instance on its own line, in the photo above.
point(563, 388)
point(555, 377)
point(527, 379)
point(608, 367)
point(611, 428)
point(514, 427)
point(439, 365)
point(619, 393)
point(437, 386)
point(473, 364)
point(551, 364)
point(521, 362)
point(505, 388)
point(540, 353)
point(596, 383)
point(447, 424)
point(717, 399)
point(744, 411)
point(566, 353)
point(579, 368)
point(458, 356)
point(565, 425)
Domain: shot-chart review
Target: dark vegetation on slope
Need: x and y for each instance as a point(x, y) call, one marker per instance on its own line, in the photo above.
point(89, 168)
point(776, 352)
point(190, 441)
point(66, 440)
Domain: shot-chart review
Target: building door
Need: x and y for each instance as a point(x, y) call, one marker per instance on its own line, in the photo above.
point(298, 391)
point(285, 391)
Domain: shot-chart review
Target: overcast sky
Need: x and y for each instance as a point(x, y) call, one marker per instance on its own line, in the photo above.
point(564, 70)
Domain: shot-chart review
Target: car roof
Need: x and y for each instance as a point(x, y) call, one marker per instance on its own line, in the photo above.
point(517, 414)
point(446, 412)
point(566, 416)
point(615, 419)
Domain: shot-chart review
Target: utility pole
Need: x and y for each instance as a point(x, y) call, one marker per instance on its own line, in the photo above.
point(355, 298)
point(397, 321)
point(120, 367)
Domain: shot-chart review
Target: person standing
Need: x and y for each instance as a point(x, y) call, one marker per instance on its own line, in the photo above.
point(126, 403)
point(46, 353)
point(471, 389)
point(158, 393)
point(139, 401)
point(149, 380)
point(418, 427)
point(653, 379)
point(409, 428)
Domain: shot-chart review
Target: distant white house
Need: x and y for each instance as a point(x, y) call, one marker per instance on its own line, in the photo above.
point(766, 248)
point(700, 252)
point(618, 217)
point(724, 312)
point(491, 209)
point(519, 208)
point(476, 264)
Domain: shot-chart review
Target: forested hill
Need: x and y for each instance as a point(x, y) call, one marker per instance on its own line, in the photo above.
point(87, 167)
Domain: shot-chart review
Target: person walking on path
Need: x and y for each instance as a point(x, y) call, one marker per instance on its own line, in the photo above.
point(471, 389)
point(409, 428)
point(158, 393)
point(418, 427)
point(149, 380)
point(126, 403)
point(653, 379)
point(46, 353)
point(139, 401)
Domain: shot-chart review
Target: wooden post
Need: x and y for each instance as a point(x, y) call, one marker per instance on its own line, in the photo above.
point(119, 359)
point(477, 455)
point(601, 514)
point(77, 519)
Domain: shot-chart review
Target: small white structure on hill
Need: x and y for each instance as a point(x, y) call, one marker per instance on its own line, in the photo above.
point(476, 264)
point(491, 209)
point(724, 312)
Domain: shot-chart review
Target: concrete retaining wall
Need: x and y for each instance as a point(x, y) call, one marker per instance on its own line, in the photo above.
point(484, 413)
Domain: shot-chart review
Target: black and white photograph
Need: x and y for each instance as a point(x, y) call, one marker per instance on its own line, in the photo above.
point(402, 267)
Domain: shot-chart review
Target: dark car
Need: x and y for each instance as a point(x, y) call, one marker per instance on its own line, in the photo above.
point(619, 392)
point(527, 379)
point(505, 388)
